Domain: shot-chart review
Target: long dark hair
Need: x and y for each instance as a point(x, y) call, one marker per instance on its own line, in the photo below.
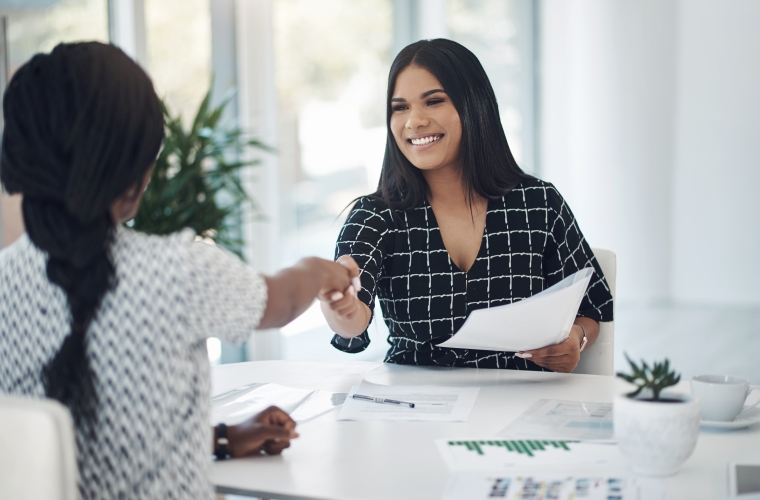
point(82, 125)
point(488, 167)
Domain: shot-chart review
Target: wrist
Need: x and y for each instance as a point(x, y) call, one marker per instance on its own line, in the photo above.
point(580, 336)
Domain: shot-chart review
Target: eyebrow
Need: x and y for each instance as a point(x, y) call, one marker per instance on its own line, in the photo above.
point(424, 95)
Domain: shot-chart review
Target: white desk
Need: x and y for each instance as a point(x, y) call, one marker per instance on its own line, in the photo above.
point(382, 460)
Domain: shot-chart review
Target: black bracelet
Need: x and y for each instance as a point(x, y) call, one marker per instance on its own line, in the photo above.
point(221, 452)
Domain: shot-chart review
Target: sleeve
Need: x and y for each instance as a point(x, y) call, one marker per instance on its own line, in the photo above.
point(567, 251)
point(363, 238)
point(225, 297)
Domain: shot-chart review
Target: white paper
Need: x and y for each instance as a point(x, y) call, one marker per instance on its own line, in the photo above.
point(568, 420)
point(538, 321)
point(241, 403)
point(498, 454)
point(539, 487)
point(431, 403)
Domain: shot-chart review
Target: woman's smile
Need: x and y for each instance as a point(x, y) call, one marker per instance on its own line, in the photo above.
point(425, 141)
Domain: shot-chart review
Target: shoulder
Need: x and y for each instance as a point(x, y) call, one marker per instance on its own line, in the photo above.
point(370, 211)
point(21, 260)
point(538, 193)
point(149, 246)
point(19, 249)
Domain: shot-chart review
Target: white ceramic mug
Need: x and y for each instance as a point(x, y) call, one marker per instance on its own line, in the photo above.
point(721, 397)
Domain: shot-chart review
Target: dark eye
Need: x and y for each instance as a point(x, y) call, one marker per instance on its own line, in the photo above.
point(399, 107)
point(434, 101)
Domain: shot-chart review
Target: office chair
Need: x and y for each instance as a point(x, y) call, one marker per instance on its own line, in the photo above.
point(599, 358)
point(37, 450)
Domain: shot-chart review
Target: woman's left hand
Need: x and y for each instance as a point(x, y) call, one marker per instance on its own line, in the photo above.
point(562, 357)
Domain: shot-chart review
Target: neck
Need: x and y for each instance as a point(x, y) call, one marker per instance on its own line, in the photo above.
point(445, 186)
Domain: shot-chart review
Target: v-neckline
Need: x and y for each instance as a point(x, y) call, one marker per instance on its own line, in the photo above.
point(433, 224)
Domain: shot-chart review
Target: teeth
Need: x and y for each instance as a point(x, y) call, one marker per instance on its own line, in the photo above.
point(425, 140)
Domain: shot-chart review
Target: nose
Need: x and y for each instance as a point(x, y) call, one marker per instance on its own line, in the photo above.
point(417, 118)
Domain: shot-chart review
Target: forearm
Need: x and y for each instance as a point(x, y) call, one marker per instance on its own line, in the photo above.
point(291, 291)
point(348, 327)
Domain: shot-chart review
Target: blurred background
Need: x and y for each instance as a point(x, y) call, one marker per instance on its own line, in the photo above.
point(644, 113)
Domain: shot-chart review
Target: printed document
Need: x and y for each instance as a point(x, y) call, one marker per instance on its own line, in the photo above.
point(569, 420)
point(241, 403)
point(492, 454)
point(431, 403)
point(538, 321)
point(540, 487)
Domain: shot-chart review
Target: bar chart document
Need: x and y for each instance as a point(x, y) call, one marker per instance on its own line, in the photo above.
point(540, 487)
point(432, 403)
point(494, 454)
point(538, 321)
point(564, 420)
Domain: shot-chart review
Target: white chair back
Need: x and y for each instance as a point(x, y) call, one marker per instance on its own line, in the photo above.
point(599, 358)
point(37, 450)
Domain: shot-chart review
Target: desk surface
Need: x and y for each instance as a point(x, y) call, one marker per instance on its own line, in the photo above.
point(381, 460)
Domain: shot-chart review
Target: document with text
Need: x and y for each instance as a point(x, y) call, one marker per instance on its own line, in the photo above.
point(559, 419)
point(541, 487)
point(235, 406)
point(430, 403)
point(538, 321)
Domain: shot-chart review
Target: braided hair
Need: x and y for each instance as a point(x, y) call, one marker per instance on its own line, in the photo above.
point(82, 126)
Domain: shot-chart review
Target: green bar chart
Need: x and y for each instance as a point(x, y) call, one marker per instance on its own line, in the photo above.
point(525, 447)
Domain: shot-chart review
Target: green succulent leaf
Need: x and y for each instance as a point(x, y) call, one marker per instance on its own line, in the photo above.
point(655, 378)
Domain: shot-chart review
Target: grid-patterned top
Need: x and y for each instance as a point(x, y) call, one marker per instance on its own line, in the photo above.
point(147, 348)
point(530, 242)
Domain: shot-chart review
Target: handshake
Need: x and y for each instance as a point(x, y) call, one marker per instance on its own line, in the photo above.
point(340, 292)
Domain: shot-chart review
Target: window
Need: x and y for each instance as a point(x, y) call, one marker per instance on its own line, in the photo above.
point(332, 60)
point(178, 41)
point(500, 33)
point(38, 26)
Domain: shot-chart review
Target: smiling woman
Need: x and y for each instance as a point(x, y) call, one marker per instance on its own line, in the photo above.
point(455, 225)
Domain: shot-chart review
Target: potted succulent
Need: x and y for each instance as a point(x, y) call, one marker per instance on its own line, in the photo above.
point(656, 430)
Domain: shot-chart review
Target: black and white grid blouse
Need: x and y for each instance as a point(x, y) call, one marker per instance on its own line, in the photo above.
point(147, 346)
point(530, 242)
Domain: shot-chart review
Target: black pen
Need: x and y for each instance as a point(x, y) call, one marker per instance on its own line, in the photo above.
point(383, 401)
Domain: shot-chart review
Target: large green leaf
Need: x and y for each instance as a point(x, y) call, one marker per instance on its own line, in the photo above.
point(196, 179)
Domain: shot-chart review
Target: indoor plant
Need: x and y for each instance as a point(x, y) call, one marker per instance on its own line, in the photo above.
point(657, 431)
point(196, 179)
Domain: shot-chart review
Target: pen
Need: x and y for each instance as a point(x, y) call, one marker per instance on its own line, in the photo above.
point(383, 400)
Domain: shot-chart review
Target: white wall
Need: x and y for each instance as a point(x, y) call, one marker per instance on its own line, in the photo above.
point(606, 120)
point(716, 216)
point(650, 127)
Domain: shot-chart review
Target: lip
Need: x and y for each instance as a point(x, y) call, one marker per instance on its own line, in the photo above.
point(422, 136)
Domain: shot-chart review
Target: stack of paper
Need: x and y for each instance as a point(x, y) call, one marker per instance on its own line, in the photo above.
point(538, 321)
point(241, 403)
point(431, 403)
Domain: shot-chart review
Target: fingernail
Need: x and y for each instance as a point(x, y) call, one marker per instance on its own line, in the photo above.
point(352, 291)
point(523, 355)
point(357, 283)
point(336, 296)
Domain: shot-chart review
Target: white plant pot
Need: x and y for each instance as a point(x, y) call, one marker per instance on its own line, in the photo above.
point(656, 437)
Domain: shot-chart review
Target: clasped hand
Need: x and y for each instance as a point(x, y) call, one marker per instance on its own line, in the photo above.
point(269, 431)
point(345, 303)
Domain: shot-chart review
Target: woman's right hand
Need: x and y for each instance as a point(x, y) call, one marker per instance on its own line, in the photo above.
point(341, 278)
point(345, 313)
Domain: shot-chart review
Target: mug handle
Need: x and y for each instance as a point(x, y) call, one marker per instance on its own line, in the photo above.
point(751, 388)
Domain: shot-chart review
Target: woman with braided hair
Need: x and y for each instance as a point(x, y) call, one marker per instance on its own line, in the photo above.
point(111, 322)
